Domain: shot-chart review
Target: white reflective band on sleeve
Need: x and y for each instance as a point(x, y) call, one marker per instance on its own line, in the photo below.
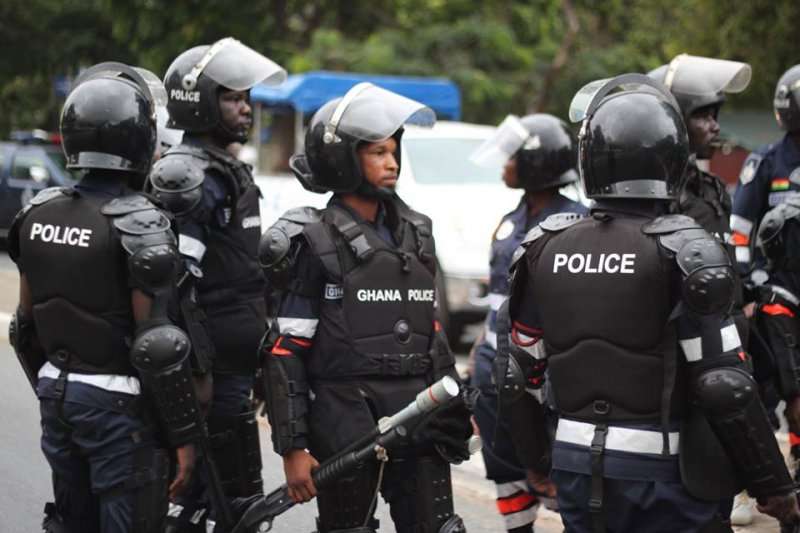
point(692, 349)
point(730, 338)
point(741, 225)
point(536, 350)
point(491, 338)
point(191, 247)
point(743, 255)
point(109, 382)
point(298, 327)
point(496, 300)
point(620, 439)
point(785, 294)
point(504, 490)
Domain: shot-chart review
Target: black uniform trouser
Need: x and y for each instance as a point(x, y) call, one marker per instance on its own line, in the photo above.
point(109, 475)
point(416, 480)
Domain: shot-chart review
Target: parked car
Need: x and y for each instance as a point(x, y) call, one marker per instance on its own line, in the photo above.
point(466, 202)
point(28, 164)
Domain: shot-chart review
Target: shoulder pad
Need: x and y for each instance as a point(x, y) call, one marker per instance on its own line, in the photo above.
point(708, 278)
point(773, 222)
point(143, 222)
point(560, 221)
point(127, 204)
point(45, 195)
point(674, 241)
point(178, 172)
point(276, 242)
point(669, 224)
point(533, 234)
point(302, 215)
point(133, 243)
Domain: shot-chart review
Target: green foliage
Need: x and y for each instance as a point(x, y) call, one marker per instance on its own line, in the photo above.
point(500, 53)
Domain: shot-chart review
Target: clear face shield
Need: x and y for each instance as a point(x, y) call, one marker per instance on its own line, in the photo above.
point(695, 75)
point(235, 66)
point(373, 114)
point(506, 140)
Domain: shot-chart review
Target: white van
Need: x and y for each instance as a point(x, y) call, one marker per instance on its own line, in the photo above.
point(465, 202)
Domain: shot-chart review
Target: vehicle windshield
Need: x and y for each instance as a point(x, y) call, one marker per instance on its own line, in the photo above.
point(446, 162)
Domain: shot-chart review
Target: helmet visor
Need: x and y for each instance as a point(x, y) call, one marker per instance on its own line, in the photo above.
point(588, 98)
point(235, 66)
point(697, 75)
point(509, 137)
point(372, 114)
point(156, 86)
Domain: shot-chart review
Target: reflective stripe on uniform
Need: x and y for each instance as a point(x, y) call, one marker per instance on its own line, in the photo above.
point(109, 382)
point(741, 225)
point(516, 504)
point(730, 338)
point(490, 337)
point(743, 254)
point(618, 438)
point(496, 299)
point(785, 294)
point(692, 349)
point(297, 327)
point(191, 247)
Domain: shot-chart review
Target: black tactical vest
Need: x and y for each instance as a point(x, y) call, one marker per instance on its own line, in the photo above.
point(230, 262)
point(376, 316)
point(76, 267)
point(605, 291)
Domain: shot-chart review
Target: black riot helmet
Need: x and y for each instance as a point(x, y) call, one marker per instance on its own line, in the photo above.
point(365, 114)
point(787, 100)
point(632, 142)
point(544, 148)
point(195, 78)
point(698, 82)
point(109, 120)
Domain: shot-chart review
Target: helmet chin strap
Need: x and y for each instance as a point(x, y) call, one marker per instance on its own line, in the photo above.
point(370, 191)
point(226, 135)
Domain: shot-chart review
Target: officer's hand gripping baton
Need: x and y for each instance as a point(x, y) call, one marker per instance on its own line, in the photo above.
point(259, 514)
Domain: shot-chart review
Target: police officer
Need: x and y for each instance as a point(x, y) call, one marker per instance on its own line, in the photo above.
point(770, 173)
point(539, 154)
point(97, 265)
point(699, 85)
point(356, 323)
point(658, 418)
point(216, 201)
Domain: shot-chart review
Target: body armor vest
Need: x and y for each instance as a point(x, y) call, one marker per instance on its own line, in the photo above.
point(376, 317)
point(613, 285)
point(230, 262)
point(78, 274)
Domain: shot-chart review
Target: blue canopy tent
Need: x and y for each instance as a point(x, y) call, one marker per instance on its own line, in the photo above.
point(302, 94)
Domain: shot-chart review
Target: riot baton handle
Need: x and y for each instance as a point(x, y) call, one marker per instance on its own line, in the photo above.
point(259, 514)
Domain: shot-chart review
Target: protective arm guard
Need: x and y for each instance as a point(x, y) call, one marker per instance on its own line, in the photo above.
point(161, 355)
point(729, 398)
point(22, 336)
point(287, 399)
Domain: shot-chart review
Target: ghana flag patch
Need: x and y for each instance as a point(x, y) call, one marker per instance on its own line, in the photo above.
point(780, 184)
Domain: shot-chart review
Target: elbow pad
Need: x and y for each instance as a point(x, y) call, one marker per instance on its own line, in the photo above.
point(287, 401)
point(161, 355)
point(728, 396)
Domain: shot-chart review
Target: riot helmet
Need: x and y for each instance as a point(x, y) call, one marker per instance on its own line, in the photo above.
point(787, 100)
point(166, 136)
point(698, 82)
point(109, 120)
point(365, 114)
point(195, 79)
point(543, 146)
point(633, 141)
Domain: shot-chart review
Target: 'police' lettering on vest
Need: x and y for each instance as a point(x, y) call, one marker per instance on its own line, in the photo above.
point(604, 264)
point(61, 234)
point(184, 96)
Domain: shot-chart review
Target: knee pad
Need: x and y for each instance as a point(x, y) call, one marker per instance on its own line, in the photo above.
point(420, 494)
point(345, 506)
point(236, 452)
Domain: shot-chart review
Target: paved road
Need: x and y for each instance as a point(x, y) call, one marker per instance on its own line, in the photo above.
point(25, 477)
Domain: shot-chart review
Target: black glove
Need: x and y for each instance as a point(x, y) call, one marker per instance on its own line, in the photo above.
point(450, 427)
